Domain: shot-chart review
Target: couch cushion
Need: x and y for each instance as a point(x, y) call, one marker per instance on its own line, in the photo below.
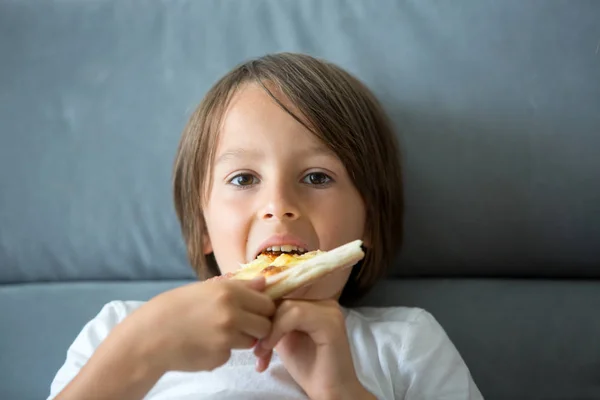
point(496, 104)
point(522, 339)
point(40, 321)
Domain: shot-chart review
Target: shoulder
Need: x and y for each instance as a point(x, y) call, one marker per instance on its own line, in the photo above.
point(98, 328)
point(395, 321)
point(109, 316)
point(116, 311)
point(89, 338)
point(404, 331)
point(382, 314)
point(414, 351)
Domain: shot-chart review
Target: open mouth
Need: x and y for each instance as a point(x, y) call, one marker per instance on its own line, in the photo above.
point(285, 249)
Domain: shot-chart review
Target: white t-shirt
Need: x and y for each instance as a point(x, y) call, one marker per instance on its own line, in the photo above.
point(398, 353)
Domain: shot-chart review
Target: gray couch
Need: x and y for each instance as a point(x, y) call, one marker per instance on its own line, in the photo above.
point(497, 105)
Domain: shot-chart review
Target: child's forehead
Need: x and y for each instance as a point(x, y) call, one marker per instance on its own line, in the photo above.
point(254, 103)
point(253, 118)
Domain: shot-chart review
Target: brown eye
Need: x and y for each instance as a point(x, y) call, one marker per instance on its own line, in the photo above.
point(243, 180)
point(317, 179)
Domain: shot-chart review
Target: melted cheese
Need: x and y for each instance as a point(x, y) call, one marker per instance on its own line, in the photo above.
point(263, 261)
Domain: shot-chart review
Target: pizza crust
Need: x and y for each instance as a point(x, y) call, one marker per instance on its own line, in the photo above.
point(305, 269)
point(309, 271)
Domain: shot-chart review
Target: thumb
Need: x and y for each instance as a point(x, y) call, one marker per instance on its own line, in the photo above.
point(257, 283)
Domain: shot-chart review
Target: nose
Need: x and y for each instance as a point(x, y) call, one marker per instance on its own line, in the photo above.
point(279, 203)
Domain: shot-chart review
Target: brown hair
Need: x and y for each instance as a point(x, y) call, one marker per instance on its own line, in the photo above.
point(339, 110)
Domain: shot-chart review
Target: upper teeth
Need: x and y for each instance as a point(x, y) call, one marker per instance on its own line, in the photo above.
point(286, 248)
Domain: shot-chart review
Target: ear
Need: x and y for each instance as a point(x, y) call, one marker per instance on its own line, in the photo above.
point(206, 245)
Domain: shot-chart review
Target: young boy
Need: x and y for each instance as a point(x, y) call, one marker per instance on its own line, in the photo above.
point(284, 152)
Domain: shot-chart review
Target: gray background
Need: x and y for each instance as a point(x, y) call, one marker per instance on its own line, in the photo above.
point(497, 105)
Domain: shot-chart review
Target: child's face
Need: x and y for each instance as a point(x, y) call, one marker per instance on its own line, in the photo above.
point(274, 182)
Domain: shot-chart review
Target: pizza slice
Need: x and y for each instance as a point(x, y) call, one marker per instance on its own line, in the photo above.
point(286, 272)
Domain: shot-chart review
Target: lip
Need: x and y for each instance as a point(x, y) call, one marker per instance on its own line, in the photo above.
point(280, 240)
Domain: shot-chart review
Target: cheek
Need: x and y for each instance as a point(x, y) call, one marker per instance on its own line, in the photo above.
point(227, 227)
point(339, 218)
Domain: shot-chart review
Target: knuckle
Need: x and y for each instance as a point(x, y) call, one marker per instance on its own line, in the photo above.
point(337, 318)
point(332, 303)
point(227, 320)
point(296, 311)
point(224, 295)
point(222, 342)
point(286, 306)
point(219, 358)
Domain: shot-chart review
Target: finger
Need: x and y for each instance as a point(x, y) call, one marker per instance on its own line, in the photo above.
point(262, 363)
point(257, 283)
point(240, 340)
point(254, 325)
point(290, 316)
point(255, 301)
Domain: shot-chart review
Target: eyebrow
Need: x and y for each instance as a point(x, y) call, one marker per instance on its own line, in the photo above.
point(242, 153)
point(238, 153)
point(317, 150)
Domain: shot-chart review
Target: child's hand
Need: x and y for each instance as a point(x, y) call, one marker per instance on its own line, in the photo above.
point(311, 340)
point(195, 327)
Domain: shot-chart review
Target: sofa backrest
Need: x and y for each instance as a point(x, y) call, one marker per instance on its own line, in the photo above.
point(496, 103)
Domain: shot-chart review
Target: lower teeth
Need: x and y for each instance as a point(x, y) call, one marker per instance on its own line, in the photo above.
point(278, 253)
